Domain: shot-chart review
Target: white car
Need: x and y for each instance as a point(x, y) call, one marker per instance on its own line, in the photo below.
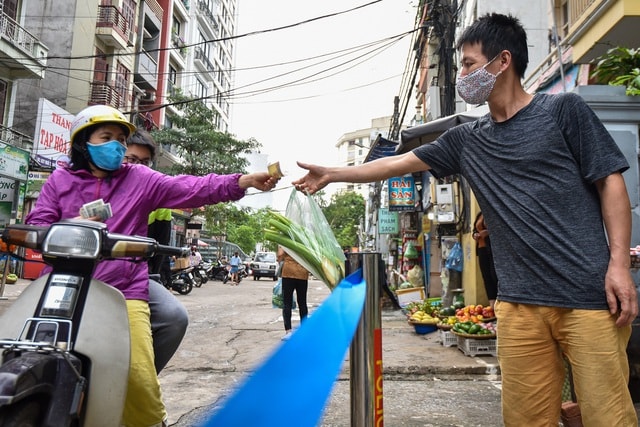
point(264, 264)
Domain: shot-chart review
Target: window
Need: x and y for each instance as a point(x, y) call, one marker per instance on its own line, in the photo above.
point(201, 89)
point(122, 84)
point(173, 80)
point(129, 13)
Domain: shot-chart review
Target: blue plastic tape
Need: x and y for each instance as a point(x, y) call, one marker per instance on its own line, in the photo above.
point(292, 386)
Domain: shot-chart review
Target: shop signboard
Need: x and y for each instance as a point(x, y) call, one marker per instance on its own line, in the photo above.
point(7, 191)
point(402, 192)
point(387, 222)
point(51, 139)
point(35, 181)
point(14, 162)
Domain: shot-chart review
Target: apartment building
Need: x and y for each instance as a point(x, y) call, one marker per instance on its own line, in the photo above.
point(129, 54)
point(23, 58)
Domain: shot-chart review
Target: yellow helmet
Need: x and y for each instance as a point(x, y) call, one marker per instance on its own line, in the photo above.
point(97, 114)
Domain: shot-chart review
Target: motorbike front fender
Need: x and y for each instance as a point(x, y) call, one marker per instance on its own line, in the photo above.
point(26, 375)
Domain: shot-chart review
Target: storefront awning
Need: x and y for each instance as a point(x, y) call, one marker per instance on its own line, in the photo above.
point(429, 132)
point(381, 147)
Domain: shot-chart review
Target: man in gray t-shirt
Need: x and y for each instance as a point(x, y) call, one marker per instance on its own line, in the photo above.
point(548, 178)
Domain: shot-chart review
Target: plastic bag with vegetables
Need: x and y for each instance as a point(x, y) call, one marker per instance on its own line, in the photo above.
point(304, 233)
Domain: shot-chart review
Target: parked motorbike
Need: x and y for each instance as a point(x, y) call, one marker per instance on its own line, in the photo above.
point(217, 271)
point(200, 274)
point(182, 281)
point(68, 362)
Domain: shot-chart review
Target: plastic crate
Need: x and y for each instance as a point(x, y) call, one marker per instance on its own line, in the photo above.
point(449, 339)
point(472, 347)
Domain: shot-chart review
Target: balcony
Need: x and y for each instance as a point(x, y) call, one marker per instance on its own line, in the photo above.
point(23, 56)
point(112, 27)
point(105, 94)
point(204, 63)
point(595, 26)
point(146, 75)
point(179, 46)
point(207, 17)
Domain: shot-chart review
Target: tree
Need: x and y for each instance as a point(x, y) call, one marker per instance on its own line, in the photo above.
point(240, 226)
point(344, 213)
point(202, 148)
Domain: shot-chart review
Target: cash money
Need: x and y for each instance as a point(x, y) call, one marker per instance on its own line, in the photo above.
point(97, 208)
point(274, 170)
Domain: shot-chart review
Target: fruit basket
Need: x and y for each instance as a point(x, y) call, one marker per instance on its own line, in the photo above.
point(423, 328)
point(444, 326)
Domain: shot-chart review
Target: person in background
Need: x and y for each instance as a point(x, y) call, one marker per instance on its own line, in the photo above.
point(98, 142)
point(559, 269)
point(485, 259)
point(294, 278)
point(195, 258)
point(234, 263)
point(169, 318)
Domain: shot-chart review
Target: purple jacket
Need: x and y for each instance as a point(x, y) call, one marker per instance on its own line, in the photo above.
point(134, 191)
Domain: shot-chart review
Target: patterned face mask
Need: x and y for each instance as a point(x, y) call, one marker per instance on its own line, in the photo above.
point(475, 87)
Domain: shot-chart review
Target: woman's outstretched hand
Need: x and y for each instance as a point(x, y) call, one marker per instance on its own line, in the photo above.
point(258, 180)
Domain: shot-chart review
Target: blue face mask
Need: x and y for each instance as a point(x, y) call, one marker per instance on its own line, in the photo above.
point(107, 156)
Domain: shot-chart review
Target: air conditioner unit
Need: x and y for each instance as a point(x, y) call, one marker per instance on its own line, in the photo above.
point(148, 96)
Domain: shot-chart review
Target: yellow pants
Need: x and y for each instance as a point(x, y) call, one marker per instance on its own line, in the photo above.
point(531, 340)
point(143, 405)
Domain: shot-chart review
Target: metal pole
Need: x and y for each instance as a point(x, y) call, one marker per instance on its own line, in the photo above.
point(365, 355)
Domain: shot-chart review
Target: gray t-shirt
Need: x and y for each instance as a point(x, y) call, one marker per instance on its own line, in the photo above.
point(533, 176)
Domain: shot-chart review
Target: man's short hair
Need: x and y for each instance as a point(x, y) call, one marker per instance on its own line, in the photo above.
point(141, 137)
point(496, 32)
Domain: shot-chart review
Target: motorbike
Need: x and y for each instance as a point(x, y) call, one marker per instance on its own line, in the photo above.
point(242, 273)
point(217, 271)
point(182, 281)
point(67, 362)
point(200, 274)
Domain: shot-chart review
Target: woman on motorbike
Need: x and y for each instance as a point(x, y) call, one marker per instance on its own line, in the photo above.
point(98, 143)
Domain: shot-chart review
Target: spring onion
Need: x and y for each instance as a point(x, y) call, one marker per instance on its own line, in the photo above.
point(315, 254)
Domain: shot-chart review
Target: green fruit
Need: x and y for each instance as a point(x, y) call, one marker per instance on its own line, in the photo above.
point(474, 329)
point(447, 311)
point(464, 326)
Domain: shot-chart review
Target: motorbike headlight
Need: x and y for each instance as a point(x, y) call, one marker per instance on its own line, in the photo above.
point(72, 240)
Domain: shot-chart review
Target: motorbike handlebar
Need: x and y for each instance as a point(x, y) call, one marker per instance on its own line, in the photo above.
point(112, 245)
point(173, 251)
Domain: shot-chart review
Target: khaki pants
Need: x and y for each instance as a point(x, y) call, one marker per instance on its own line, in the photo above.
point(531, 340)
point(143, 404)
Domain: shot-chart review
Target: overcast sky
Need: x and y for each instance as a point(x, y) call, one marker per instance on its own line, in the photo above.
point(298, 90)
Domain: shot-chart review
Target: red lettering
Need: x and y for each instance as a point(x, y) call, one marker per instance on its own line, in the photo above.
point(60, 121)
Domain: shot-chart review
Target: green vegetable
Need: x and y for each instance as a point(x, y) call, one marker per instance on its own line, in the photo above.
point(310, 251)
point(474, 329)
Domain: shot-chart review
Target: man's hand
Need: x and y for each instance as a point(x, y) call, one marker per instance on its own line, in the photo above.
point(621, 295)
point(315, 180)
point(259, 180)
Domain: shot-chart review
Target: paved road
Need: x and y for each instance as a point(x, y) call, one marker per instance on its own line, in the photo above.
point(233, 329)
